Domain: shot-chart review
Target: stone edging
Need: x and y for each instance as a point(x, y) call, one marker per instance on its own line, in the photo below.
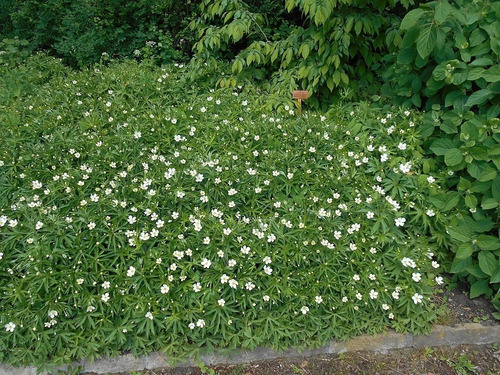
point(470, 333)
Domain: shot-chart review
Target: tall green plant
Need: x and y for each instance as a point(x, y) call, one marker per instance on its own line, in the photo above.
point(449, 65)
point(333, 50)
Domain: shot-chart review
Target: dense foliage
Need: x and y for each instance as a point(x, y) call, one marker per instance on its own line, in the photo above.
point(136, 216)
point(335, 51)
point(450, 64)
point(80, 31)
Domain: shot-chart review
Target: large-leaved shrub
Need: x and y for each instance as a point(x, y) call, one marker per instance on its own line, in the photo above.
point(449, 64)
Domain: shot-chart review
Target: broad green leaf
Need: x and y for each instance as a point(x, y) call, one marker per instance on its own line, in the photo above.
point(471, 201)
point(441, 146)
point(426, 41)
point(459, 265)
point(462, 234)
point(464, 251)
point(482, 61)
point(463, 184)
point(487, 262)
point(453, 98)
point(495, 189)
point(487, 175)
point(453, 157)
point(442, 11)
point(486, 242)
point(492, 74)
point(495, 277)
point(479, 97)
point(488, 203)
point(411, 18)
point(480, 287)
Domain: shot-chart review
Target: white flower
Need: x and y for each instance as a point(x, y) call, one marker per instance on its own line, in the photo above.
point(131, 219)
point(304, 310)
point(206, 263)
point(400, 221)
point(79, 281)
point(268, 270)
point(200, 323)
point(318, 299)
point(370, 215)
point(373, 294)
point(91, 225)
point(233, 283)
point(431, 179)
point(164, 289)
point(408, 262)
point(105, 297)
point(191, 325)
point(231, 263)
point(106, 285)
point(271, 238)
point(417, 298)
point(439, 280)
point(131, 271)
point(224, 279)
point(430, 213)
point(52, 314)
point(416, 277)
point(197, 287)
point(227, 231)
point(232, 191)
point(267, 260)
point(10, 327)
point(402, 146)
point(221, 302)
point(149, 315)
point(245, 250)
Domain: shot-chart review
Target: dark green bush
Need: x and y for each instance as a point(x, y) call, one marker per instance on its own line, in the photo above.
point(80, 31)
point(449, 65)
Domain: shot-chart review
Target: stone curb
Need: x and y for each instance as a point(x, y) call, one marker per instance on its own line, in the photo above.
point(470, 333)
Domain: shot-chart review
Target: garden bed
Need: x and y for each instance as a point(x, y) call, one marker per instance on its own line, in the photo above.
point(134, 218)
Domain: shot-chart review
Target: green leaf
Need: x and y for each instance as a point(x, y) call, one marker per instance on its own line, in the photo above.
point(488, 203)
point(495, 277)
point(464, 251)
point(471, 201)
point(487, 262)
point(488, 174)
point(486, 242)
point(453, 98)
point(441, 146)
point(462, 234)
point(479, 97)
point(492, 74)
point(453, 157)
point(482, 61)
point(442, 11)
point(478, 288)
point(495, 189)
point(426, 41)
point(463, 184)
point(460, 265)
point(411, 18)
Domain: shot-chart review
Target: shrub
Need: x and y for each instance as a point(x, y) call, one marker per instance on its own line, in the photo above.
point(334, 49)
point(136, 216)
point(79, 31)
point(449, 65)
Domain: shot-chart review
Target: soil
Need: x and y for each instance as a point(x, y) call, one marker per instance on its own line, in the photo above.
point(461, 309)
point(451, 360)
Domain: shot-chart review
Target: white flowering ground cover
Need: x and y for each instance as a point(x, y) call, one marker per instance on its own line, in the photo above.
point(136, 216)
